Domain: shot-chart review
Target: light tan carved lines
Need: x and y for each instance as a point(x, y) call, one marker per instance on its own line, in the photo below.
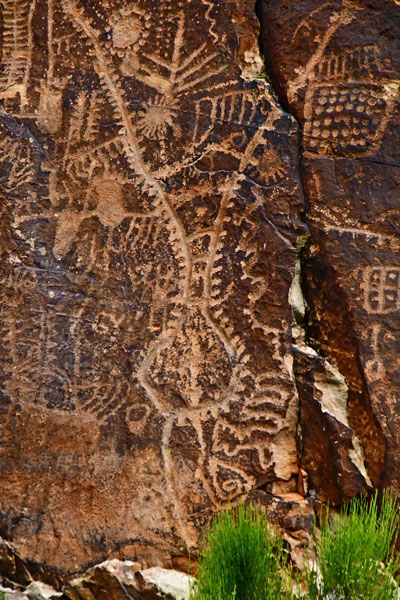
point(216, 36)
point(237, 108)
point(306, 73)
point(82, 163)
point(325, 217)
point(131, 145)
point(96, 204)
point(17, 49)
point(231, 107)
point(49, 113)
point(262, 417)
point(259, 423)
point(129, 139)
point(128, 29)
point(374, 367)
point(391, 242)
point(348, 65)
point(185, 73)
point(382, 289)
point(17, 63)
point(212, 292)
point(307, 22)
point(221, 474)
point(344, 106)
point(231, 482)
point(86, 108)
point(170, 472)
point(19, 159)
point(262, 412)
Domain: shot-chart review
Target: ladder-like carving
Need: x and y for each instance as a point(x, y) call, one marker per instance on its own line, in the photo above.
point(17, 47)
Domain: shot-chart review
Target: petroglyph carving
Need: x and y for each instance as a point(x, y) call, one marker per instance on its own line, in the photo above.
point(348, 116)
point(16, 49)
point(382, 289)
point(374, 365)
point(139, 270)
point(337, 66)
point(346, 110)
point(350, 95)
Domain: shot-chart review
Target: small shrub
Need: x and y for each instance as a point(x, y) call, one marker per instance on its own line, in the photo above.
point(242, 559)
point(356, 557)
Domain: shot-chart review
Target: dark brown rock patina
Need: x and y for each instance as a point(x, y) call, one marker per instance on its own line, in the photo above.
point(336, 65)
point(153, 256)
point(150, 211)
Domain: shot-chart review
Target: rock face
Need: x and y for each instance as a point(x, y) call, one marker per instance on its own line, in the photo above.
point(151, 207)
point(156, 199)
point(336, 66)
point(112, 579)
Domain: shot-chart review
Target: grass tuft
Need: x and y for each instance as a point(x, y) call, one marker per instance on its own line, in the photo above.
point(356, 557)
point(243, 558)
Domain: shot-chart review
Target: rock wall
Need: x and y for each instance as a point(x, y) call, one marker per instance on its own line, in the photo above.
point(198, 265)
point(336, 66)
point(151, 209)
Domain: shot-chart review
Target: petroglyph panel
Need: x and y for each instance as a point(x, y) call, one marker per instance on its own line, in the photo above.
point(150, 213)
point(337, 65)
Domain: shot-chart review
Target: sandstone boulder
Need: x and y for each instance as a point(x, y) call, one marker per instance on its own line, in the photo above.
point(166, 583)
point(122, 580)
point(37, 590)
point(110, 580)
point(10, 594)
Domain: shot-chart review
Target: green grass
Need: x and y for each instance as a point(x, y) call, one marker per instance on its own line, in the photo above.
point(356, 556)
point(242, 559)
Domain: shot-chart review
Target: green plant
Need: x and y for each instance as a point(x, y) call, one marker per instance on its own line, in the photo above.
point(356, 557)
point(242, 559)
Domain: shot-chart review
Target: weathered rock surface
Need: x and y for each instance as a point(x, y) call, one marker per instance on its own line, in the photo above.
point(10, 594)
point(37, 590)
point(153, 256)
point(336, 65)
point(151, 206)
point(293, 515)
point(111, 579)
point(167, 583)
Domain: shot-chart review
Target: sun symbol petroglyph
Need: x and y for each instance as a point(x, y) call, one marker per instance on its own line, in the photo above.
point(158, 116)
point(129, 27)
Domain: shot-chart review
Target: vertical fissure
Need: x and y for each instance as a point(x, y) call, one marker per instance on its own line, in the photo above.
point(329, 383)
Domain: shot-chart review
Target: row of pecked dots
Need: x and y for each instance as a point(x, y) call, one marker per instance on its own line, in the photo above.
point(358, 98)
